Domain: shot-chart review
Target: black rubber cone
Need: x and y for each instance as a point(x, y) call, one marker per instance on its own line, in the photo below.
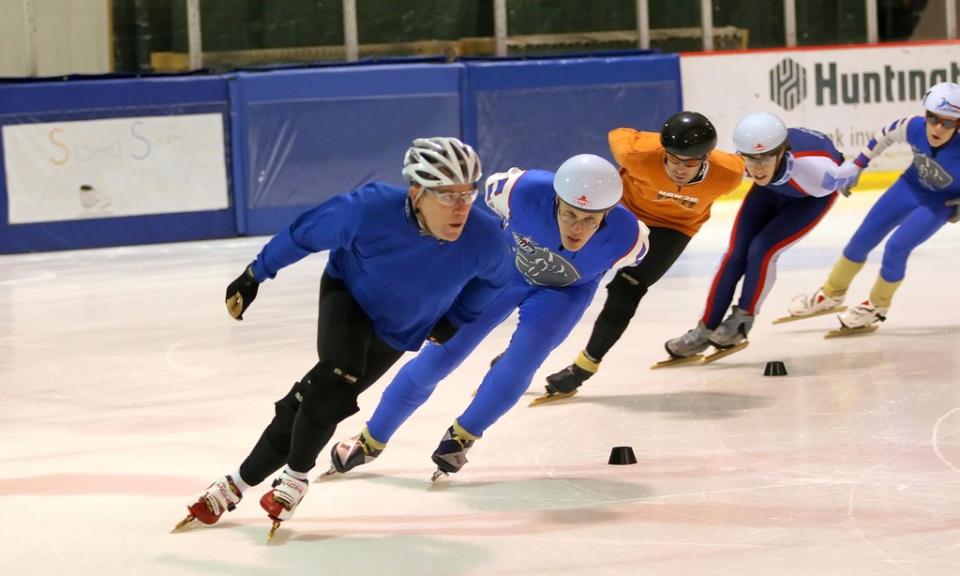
point(775, 368)
point(622, 455)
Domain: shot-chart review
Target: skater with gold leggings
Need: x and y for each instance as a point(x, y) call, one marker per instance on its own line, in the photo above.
point(923, 199)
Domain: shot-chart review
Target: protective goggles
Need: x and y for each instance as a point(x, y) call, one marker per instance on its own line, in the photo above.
point(569, 218)
point(948, 123)
point(453, 198)
point(685, 162)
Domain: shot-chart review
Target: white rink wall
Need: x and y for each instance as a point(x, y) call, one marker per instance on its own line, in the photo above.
point(846, 92)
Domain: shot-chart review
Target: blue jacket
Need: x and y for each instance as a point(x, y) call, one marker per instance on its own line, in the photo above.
point(403, 279)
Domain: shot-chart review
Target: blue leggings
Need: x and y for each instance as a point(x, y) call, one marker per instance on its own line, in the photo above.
point(767, 224)
point(547, 315)
point(915, 222)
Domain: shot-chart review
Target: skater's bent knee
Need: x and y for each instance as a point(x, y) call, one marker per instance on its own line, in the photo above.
point(330, 394)
point(623, 297)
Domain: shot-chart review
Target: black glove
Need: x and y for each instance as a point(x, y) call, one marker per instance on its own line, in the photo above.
point(241, 292)
point(442, 331)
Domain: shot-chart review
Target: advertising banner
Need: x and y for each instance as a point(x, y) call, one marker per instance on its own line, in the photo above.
point(61, 171)
point(847, 93)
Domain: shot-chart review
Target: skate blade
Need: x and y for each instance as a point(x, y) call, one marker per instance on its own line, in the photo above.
point(186, 521)
point(677, 361)
point(844, 332)
point(725, 352)
point(786, 319)
point(438, 475)
point(273, 530)
point(331, 472)
point(548, 398)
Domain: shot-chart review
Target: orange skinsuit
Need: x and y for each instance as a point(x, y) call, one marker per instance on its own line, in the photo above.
point(655, 199)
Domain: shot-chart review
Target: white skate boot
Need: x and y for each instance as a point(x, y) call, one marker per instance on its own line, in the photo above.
point(731, 335)
point(860, 319)
point(808, 306)
point(281, 502)
point(357, 451)
point(221, 496)
point(686, 348)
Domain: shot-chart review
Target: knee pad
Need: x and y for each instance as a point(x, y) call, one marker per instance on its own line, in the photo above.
point(623, 296)
point(285, 410)
point(329, 395)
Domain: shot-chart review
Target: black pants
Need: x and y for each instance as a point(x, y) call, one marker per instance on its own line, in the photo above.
point(347, 349)
point(629, 286)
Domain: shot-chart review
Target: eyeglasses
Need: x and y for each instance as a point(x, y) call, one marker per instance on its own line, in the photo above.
point(948, 123)
point(453, 198)
point(685, 162)
point(568, 218)
point(759, 158)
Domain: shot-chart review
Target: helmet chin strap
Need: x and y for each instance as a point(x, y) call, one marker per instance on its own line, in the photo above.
point(421, 223)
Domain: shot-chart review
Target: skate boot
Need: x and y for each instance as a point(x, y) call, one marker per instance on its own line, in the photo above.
point(860, 319)
point(686, 348)
point(564, 383)
point(808, 306)
point(281, 502)
point(451, 454)
point(221, 496)
point(731, 335)
point(357, 451)
point(733, 330)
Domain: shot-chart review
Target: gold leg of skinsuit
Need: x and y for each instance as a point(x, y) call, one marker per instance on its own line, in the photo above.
point(881, 295)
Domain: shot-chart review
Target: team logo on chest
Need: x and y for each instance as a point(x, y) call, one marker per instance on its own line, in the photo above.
point(542, 267)
point(681, 199)
point(932, 175)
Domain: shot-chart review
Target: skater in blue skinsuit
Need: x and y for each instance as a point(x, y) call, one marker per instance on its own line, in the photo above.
point(920, 202)
point(568, 230)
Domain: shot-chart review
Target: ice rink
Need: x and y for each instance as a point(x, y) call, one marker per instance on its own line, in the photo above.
point(127, 389)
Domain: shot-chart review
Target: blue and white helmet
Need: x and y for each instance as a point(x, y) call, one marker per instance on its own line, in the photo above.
point(759, 133)
point(588, 182)
point(943, 99)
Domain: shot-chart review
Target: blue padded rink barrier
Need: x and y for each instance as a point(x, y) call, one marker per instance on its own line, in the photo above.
point(55, 103)
point(294, 138)
point(537, 113)
point(127, 398)
point(308, 135)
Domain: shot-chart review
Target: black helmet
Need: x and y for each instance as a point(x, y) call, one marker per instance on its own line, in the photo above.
point(688, 134)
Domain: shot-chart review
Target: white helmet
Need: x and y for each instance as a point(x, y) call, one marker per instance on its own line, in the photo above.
point(759, 133)
point(588, 182)
point(943, 99)
point(441, 161)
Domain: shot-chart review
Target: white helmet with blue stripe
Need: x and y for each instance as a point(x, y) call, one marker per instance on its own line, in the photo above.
point(943, 99)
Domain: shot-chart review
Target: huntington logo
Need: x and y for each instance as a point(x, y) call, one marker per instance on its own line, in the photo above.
point(788, 84)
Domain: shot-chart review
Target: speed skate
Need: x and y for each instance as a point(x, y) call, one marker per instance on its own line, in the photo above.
point(795, 317)
point(679, 361)
point(700, 359)
point(549, 397)
point(723, 353)
point(843, 331)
